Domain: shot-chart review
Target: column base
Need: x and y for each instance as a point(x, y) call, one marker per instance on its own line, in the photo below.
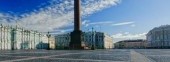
point(76, 41)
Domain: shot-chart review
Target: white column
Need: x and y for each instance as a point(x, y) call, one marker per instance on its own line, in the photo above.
point(3, 43)
point(6, 38)
point(20, 37)
point(9, 38)
point(6, 42)
point(36, 40)
point(23, 37)
point(32, 39)
point(29, 44)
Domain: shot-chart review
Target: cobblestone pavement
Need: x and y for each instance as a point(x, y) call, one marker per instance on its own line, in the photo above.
point(115, 55)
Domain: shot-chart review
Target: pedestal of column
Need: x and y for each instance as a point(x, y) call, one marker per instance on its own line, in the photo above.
point(76, 40)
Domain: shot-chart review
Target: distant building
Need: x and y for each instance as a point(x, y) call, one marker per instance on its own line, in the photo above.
point(99, 39)
point(44, 43)
point(62, 41)
point(12, 38)
point(159, 37)
point(128, 44)
point(52, 42)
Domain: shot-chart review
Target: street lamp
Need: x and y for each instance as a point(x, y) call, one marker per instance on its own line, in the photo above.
point(163, 37)
point(93, 37)
point(48, 35)
point(13, 38)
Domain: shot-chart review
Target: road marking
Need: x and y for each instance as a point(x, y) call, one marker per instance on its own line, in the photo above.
point(112, 54)
point(3, 55)
point(14, 56)
point(30, 58)
point(137, 57)
point(85, 60)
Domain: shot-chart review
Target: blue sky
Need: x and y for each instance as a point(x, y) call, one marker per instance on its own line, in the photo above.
point(122, 19)
point(143, 15)
point(18, 7)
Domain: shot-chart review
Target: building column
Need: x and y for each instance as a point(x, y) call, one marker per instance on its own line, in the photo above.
point(26, 46)
point(29, 41)
point(7, 38)
point(1, 37)
point(4, 38)
point(34, 41)
point(38, 40)
point(22, 38)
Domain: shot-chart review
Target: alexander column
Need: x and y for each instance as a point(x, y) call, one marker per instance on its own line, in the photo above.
point(76, 35)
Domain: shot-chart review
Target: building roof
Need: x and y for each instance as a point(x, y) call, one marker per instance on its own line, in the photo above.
point(138, 40)
point(160, 28)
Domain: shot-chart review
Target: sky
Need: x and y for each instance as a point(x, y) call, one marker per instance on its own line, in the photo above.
point(121, 19)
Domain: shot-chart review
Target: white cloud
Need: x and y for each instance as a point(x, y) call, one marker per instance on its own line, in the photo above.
point(123, 23)
point(6, 18)
point(57, 15)
point(109, 23)
point(86, 23)
point(127, 35)
point(133, 25)
point(98, 23)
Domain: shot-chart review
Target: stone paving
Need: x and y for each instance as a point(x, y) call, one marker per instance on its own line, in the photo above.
point(115, 55)
point(156, 55)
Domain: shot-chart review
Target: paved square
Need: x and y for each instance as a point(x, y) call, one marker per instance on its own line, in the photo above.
point(115, 55)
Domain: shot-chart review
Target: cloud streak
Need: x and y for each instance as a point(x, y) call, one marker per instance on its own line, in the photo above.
point(98, 23)
point(87, 23)
point(123, 23)
point(56, 15)
point(109, 23)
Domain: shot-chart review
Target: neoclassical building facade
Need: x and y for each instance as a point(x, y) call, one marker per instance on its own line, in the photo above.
point(159, 37)
point(131, 44)
point(62, 41)
point(12, 38)
point(98, 39)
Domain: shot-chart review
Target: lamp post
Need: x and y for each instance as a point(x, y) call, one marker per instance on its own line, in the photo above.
point(48, 35)
point(13, 47)
point(163, 37)
point(93, 37)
